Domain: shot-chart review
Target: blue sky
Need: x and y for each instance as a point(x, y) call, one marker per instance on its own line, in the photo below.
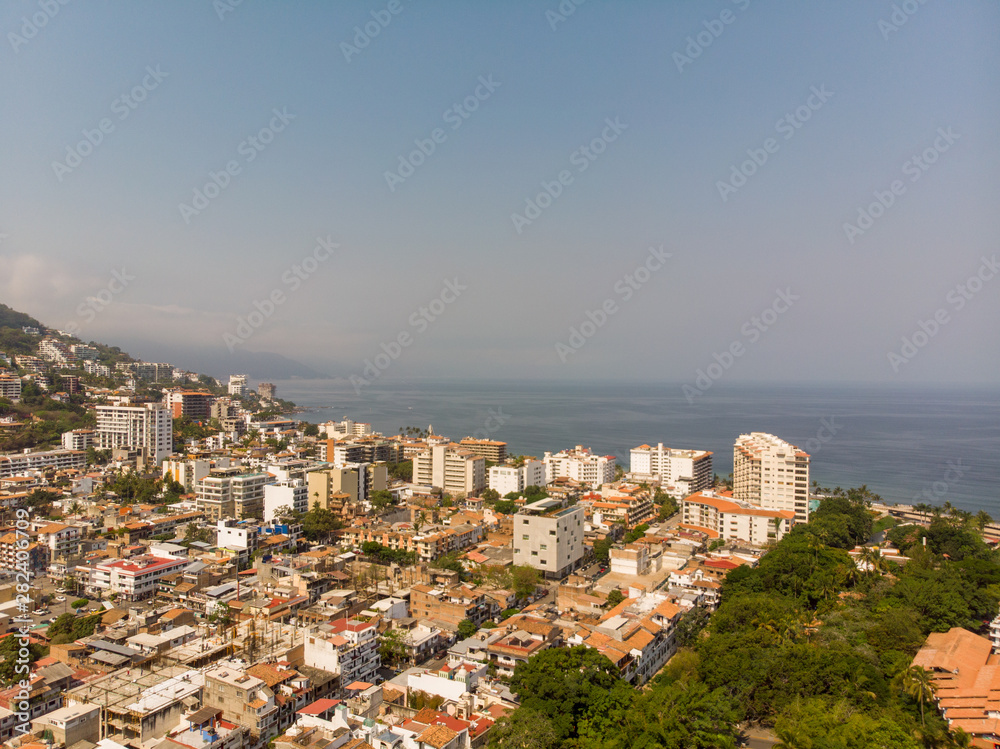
point(888, 96)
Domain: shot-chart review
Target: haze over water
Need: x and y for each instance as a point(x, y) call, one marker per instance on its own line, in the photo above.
point(898, 441)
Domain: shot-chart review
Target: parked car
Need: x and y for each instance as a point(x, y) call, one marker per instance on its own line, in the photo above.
point(60, 599)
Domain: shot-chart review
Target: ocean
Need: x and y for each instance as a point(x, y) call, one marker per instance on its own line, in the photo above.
point(927, 444)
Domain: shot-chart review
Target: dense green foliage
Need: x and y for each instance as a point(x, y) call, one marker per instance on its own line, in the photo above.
point(319, 523)
point(574, 697)
point(636, 533)
point(44, 419)
point(402, 470)
point(9, 647)
point(808, 642)
point(381, 500)
point(68, 627)
point(380, 554)
point(505, 506)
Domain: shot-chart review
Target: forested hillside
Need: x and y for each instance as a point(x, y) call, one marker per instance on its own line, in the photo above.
point(806, 643)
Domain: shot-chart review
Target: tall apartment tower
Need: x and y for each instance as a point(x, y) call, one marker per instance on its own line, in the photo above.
point(147, 427)
point(772, 473)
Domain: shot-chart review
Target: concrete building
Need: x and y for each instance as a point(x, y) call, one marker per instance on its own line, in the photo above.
point(359, 450)
point(293, 493)
point(134, 579)
point(346, 647)
point(61, 540)
point(580, 464)
point(146, 427)
point(189, 472)
point(453, 469)
point(243, 699)
point(230, 493)
point(16, 464)
point(356, 480)
point(78, 439)
point(772, 473)
point(678, 472)
point(734, 520)
point(10, 388)
point(345, 428)
point(242, 539)
point(33, 558)
point(195, 404)
point(507, 479)
point(450, 604)
point(549, 537)
point(237, 384)
point(267, 391)
point(72, 724)
point(492, 450)
point(139, 706)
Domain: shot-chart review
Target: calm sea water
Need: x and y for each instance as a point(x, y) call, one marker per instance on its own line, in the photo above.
point(900, 442)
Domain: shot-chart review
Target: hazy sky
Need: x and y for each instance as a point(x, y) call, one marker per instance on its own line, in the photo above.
point(319, 124)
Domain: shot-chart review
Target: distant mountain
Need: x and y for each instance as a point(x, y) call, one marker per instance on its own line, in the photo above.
point(218, 362)
point(215, 361)
point(11, 318)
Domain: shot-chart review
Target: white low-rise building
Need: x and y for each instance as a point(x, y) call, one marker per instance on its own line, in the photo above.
point(580, 464)
point(507, 479)
point(732, 520)
point(293, 494)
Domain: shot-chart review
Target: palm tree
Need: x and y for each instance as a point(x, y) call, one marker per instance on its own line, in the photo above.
point(918, 683)
point(983, 519)
point(872, 560)
point(815, 545)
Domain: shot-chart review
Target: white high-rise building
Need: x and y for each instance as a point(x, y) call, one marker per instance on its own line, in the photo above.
point(237, 384)
point(453, 469)
point(679, 472)
point(147, 427)
point(772, 473)
point(507, 479)
point(580, 464)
